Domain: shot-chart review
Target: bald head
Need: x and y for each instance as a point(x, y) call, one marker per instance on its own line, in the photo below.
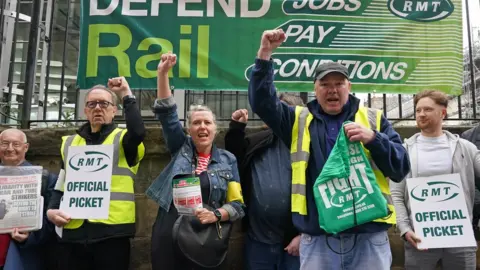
point(13, 147)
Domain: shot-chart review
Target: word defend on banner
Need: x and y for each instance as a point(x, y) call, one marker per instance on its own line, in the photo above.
point(88, 178)
point(439, 212)
point(388, 46)
point(21, 203)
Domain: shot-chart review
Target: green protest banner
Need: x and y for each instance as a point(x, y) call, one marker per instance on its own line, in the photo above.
point(389, 46)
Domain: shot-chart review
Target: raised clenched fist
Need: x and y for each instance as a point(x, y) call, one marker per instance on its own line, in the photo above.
point(271, 39)
point(240, 116)
point(167, 61)
point(119, 86)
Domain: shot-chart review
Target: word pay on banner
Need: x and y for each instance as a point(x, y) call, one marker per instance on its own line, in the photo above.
point(439, 212)
point(87, 182)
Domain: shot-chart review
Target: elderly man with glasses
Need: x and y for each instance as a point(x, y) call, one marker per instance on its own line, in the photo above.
point(22, 250)
point(103, 244)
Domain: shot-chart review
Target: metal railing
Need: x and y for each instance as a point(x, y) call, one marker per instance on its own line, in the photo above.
point(48, 42)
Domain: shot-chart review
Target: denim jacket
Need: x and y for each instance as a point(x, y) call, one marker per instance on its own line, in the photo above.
point(225, 191)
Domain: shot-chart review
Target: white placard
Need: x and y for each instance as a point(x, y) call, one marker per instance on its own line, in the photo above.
point(439, 212)
point(88, 179)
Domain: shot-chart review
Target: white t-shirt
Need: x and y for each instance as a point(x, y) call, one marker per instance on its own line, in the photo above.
point(434, 156)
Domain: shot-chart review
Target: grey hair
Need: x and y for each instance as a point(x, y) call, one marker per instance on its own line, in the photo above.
point(104, 88)
point(198, 108)
point(24, 136)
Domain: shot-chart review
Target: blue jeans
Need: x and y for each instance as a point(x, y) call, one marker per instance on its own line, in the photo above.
point(260, 256)
point(369, 251)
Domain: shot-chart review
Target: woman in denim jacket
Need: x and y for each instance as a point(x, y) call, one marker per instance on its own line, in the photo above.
point(194, 154)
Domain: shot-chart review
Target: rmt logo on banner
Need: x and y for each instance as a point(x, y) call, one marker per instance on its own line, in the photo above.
point(423, 11)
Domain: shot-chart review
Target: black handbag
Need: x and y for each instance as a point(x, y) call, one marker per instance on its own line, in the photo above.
point(203, 244)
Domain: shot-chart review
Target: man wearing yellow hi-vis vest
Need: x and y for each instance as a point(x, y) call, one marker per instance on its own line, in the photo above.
point(311, 134)
point(93, 243)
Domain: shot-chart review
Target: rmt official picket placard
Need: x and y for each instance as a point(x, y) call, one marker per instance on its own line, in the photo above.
point(439, 212)
point(87, 181)
point(388, 46)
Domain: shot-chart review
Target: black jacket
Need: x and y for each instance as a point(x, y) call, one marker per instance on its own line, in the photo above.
point(473, 135)
point(245, 147)
point(94, 232)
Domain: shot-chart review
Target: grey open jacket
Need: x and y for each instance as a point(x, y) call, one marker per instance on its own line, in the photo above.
point(466, 162)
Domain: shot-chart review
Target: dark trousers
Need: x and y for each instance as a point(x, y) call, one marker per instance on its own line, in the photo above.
point(261, 256)
point(110, 254)
point(165, 255)
point(50, 252)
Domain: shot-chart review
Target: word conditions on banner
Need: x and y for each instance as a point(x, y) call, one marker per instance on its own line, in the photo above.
point(21, 203)
point(439, 212)
point(88, 177)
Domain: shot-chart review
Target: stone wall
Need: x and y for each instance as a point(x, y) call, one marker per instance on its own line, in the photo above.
point(44, 150)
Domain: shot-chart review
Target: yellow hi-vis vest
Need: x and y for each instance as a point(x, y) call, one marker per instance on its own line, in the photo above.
point(122, 196)
point(300, 153)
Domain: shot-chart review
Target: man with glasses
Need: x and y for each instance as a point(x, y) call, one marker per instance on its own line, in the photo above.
point(103, 244)
point(26, 250)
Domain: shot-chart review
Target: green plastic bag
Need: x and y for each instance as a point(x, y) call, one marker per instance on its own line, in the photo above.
point(337, 199)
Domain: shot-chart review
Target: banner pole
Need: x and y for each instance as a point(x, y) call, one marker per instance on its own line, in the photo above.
point(470, 58)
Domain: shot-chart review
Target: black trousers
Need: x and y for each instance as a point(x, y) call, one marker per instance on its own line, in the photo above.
point(110, 254)
point(165, 255)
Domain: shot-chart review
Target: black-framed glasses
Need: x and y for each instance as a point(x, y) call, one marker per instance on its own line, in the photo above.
point(102, 103)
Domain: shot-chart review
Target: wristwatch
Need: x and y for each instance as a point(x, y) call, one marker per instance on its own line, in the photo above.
point(218, 214)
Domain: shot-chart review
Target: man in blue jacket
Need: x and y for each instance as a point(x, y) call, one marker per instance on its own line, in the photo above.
point(28, 250)
point(311, 134)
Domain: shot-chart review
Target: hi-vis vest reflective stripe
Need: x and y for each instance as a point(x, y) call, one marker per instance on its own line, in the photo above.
point(122, 196)
point(300, 153)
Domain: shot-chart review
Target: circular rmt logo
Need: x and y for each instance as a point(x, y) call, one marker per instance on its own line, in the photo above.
point(89, 161)
point(435, 191)
point(421, 10)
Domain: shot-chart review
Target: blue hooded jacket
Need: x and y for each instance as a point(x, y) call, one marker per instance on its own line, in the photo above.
point(386, 148)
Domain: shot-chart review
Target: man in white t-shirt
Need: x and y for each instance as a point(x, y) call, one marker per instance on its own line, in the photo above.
point(435, 151)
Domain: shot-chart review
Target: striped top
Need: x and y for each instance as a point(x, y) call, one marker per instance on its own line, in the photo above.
point(202, 163)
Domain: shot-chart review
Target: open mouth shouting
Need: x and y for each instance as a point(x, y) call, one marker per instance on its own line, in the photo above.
point(202, 135)
point(333, 101)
